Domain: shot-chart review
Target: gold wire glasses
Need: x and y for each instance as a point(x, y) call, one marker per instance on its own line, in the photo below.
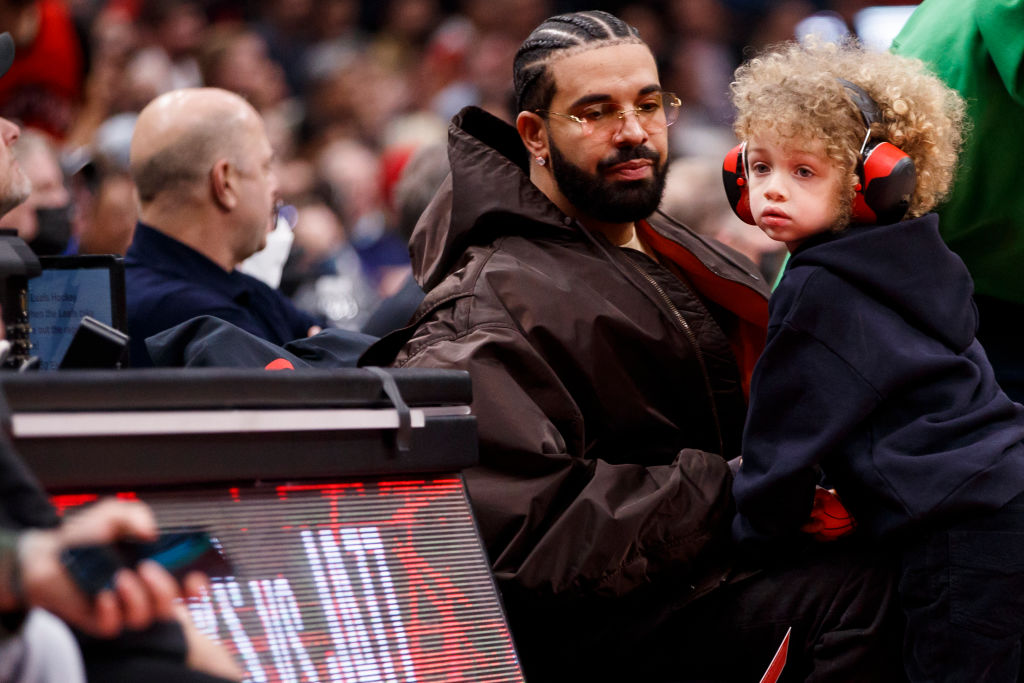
point(654, 112)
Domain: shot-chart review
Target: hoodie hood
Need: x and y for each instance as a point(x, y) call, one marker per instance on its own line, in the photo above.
point(491, 180)
point(898, 263)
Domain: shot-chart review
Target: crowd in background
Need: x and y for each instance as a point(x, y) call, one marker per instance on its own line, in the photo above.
point(349, 90)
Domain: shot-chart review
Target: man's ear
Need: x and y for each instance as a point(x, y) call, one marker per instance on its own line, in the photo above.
point(222, 184)
point(533, 133)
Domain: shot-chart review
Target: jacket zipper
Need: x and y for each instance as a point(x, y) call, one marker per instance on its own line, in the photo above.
point(685, 326)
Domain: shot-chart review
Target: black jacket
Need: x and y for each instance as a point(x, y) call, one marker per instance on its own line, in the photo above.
point(873, 373)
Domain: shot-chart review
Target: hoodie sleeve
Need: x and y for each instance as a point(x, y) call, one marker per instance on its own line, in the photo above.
point(806, 400)
point(554, 522)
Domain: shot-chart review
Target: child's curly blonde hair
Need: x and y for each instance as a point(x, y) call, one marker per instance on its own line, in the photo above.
point(793, 91)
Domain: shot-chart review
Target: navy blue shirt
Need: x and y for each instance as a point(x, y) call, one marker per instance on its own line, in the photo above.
point(167, 283)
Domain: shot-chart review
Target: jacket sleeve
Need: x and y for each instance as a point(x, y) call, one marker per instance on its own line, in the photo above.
point(554, 521)
point(805, 400)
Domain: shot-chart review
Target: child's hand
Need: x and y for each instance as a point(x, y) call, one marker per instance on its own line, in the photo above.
point(829, 519)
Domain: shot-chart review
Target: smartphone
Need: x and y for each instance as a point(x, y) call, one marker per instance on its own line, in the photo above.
point(181, 551)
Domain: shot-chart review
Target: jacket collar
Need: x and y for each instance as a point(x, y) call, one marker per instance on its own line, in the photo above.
point(494, 196)
point(158, 251)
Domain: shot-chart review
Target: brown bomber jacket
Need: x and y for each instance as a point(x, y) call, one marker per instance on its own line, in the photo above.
point(607, 391)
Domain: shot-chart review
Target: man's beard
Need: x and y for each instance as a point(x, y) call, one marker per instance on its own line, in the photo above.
point(611, 201)
point(19, 187)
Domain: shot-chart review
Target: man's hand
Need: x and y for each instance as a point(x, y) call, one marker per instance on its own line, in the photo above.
point(204, 654)
point(136, 599)
point(829, 518)
point(139, 597)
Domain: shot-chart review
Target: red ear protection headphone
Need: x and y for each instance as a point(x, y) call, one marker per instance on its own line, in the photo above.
point(886, 175)
point(734, 175)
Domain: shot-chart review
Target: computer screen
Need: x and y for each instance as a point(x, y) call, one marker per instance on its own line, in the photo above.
point(68, 289)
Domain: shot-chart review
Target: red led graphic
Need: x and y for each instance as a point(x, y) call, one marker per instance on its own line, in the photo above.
point(349, 581)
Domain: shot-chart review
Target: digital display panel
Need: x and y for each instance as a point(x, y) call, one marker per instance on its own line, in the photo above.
point(376, 580)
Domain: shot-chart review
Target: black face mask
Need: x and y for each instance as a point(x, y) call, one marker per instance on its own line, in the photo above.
point(54, 231)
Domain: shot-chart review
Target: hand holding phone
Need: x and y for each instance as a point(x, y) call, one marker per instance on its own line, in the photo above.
point(93, 566)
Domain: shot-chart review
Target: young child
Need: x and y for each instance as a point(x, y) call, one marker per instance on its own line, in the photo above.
point(872, 381)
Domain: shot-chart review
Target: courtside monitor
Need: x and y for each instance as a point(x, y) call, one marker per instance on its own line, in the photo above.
point(69, 289)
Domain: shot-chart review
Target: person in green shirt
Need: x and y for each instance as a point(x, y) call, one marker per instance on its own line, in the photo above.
point(977, 48)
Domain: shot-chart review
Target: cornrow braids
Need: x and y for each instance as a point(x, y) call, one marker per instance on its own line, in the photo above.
point(562, 35)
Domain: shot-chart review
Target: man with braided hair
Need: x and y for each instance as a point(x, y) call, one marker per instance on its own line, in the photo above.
point(610, 350)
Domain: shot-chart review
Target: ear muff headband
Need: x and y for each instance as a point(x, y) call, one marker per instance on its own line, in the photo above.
point(868, 107)
point(888, 178)
point(734, 175)
point(886, 174)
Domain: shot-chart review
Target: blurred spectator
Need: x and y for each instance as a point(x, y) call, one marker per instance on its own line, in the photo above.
point(650, 22)
point(699, 60)
point(297, 176)
point(512, 18)
point(353, 172)
point(315, 238)
point(112, 41)
point(826, 26)
point(286, 28)
point(336, 288)
point(465, 66)
point(404, 31)
point(779, 21)
point(358, 100)
point(43, 87)
point(444, 73)
point(336, 39)
point(235, 58)
point(44, 220)
point(422, 174)
point(702, 59)
point(172, 31)
point(110, 223)
point(103, 194)
point(490, 61)
point(112, 141)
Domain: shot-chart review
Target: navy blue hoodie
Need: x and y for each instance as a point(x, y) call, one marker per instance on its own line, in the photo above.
point(872, 373)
